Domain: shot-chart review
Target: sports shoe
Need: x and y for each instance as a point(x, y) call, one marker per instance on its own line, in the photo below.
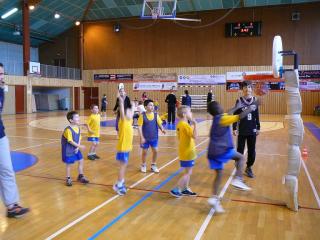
point(188, 192)
point(122, 190)
point(215, 203)
point(91, 157)
point(176, 193)
point(143, 168)
point(16, 211)
point(68, 182)
point(239, 184)
point(96, 156)
point(249, 172)
point(154, 168)
point(82, 179)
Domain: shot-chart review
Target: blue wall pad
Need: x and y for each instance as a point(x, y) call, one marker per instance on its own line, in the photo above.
point(21, 161)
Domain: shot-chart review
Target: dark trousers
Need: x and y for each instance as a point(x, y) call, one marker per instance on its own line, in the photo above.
point(251, 145)
point(171, 114)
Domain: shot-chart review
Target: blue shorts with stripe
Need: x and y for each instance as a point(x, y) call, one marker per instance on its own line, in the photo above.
point(186, 163)
point(122, 157)
point(218, 162)
point(93, 139)
point(73, 158)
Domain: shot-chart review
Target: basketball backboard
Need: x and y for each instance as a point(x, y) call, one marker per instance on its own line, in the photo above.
point(154, 9)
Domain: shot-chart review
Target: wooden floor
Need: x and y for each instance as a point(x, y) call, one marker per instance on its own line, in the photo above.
point(148, 211)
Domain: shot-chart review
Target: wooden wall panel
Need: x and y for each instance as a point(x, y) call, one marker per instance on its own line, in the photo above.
point(167, 44)
point(273, 102)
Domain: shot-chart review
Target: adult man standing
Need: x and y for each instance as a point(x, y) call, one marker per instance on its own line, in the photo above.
point(171, 100)
point(247, 128)
point(8, 187)
point(209, 96)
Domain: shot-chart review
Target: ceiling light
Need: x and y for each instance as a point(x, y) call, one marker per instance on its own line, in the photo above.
point(77, 23)
point(31, 7)
point(9, 13)
point(116, 27)
point(56, 15)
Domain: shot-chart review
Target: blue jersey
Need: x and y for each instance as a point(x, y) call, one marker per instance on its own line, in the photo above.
point(150, 128)
point(68, 149)
point(220, 138)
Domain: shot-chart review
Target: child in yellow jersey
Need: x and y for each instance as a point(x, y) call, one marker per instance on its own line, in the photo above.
point(187, 150)
point(71, 145)
point(124, 145)
point(149, 122)
point(221, 148)
point(93, 126)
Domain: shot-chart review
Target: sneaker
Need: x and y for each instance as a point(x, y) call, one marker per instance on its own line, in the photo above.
point(154, 168)
point(68, 182)
point(176, 193)
point(96, 156)
point(143, 168)
point(82, 179)
point(16, 211)
point(91, 157)
point(249, 172)
point(122, 190)
point(238, 183)
point(215, 203)
point(188, 192)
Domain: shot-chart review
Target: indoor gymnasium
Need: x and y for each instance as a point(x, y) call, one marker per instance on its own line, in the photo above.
point(159, 119)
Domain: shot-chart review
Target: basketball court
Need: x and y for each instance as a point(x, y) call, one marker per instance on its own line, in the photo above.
point(147, 210)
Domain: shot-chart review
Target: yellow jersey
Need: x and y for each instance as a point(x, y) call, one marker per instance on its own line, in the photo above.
point(125, 135)
point(94, 124)
point(68, 134)
point(187, 148)
point(150, 117)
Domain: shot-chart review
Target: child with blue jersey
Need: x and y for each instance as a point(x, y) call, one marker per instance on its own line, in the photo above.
point(149, 123)
point(93, 126)
point(221, 148)
point(187, 150)
point(71, 145)
point(124, 145)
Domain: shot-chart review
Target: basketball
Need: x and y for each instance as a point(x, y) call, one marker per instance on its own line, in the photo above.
point(121, 86)
point(261, 88)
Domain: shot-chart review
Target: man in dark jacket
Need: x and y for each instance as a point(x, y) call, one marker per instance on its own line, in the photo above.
point(171, 100)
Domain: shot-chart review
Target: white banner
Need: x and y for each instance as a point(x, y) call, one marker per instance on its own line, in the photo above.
point(201, 79)
point(240, 76)
point(155, 86)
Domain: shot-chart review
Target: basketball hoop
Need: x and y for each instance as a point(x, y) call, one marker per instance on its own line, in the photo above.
point(156, 12)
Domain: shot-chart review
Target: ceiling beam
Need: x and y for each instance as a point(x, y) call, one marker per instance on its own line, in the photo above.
point(85, 13)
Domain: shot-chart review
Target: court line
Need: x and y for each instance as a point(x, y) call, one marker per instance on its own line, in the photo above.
point(212, 211)
point(58, 139)
point(311, 183)
point(39, 145)
point(167, 193)
point(63, 229)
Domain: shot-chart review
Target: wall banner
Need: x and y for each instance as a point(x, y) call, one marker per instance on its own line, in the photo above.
point(201, 79)
point(112, 77)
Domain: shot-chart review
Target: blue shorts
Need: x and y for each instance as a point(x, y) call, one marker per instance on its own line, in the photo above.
point(147, 144)
point(218, 162)
point(188, 163)
point(93, 139)
point(73, 158)
point(122, 157)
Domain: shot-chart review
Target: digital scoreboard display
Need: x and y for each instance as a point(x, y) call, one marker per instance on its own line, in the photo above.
point(243, 29)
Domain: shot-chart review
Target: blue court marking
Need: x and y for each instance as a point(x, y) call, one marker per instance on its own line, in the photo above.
point(136, 204)
point(313, 129)
point(21, 161)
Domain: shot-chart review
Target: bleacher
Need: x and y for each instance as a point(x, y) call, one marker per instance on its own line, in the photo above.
point(199, 102)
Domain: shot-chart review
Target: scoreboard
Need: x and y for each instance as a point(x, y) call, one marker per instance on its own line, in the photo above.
point(243, 29)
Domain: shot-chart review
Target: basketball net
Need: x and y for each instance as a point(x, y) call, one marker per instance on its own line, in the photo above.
point(156, 12)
